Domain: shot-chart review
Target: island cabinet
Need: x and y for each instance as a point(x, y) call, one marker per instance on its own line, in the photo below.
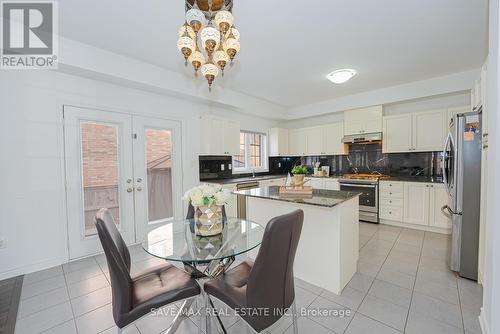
point(414, 204)
point(328, 248)
point(219, 136)
point(323, 183)
point(364, 120)
point(415, 132)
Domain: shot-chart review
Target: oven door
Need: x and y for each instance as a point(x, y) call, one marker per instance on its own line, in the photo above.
point(368, 200)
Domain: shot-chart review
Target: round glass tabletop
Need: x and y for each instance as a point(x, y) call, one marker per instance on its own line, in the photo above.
point(178, 241)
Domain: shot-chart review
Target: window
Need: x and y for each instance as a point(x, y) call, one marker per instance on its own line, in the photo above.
point(253, 153)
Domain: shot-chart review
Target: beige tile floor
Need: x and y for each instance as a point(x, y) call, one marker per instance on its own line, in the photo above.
point(403, 285)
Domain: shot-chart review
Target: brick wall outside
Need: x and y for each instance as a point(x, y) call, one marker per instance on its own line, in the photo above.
point(100, 156)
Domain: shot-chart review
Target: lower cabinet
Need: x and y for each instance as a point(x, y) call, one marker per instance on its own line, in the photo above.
point(414, 203)
point(438, 199)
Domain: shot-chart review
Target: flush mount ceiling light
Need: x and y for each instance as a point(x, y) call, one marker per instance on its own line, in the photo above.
point(341, 76)
point(209, 27)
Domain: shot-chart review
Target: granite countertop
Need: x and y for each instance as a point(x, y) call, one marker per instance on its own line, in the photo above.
point(320, 197)
point(406, 178)
point(244, 179)
point(425, 179)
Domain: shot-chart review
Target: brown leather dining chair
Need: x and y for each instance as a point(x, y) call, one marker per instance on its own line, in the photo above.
point(267, 283)
point(134, 297)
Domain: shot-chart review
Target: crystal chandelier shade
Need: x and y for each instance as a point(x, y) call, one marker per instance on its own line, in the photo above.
point(212, 31)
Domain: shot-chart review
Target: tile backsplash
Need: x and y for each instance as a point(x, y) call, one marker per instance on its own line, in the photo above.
point(366, 159)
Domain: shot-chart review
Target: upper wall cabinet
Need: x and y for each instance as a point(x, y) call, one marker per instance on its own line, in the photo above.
point(418, 132)
point(365, 120)
point(278, 142)
point(219, 136)
point(318, 140)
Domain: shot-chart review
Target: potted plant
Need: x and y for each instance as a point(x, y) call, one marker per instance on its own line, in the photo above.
point(299, 172)
point(207, 201)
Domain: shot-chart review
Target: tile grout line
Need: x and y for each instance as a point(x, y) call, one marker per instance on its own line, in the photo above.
point(366, 294)
point(375, 278)
point(70, 304)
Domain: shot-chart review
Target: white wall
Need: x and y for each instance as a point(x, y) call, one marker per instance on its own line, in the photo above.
point(489, 318)
point(32, 200)
point(458, 99)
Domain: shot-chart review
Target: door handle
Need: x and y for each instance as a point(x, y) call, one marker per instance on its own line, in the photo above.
point(129, 190)
point(447, 211)
point(445, 177)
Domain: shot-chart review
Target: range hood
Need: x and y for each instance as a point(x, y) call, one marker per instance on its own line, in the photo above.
point(365, 138)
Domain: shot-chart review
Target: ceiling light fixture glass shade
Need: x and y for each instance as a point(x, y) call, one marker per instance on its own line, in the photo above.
point(232, 47)
point(186, 27)
point(186, 45)
point(210, 72)
point(341, 76)
point(221, 58)
point(224, 20)
point(195, 18)
point(208, 40)
point(235, 32)
point(197, 59)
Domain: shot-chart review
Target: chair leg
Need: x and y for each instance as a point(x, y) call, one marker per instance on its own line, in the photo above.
point(294, 318)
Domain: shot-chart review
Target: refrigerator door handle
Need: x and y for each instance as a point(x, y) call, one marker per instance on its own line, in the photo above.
point(447, 211)
point(445, 177)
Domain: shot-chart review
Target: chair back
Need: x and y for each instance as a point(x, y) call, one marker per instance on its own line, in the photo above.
point(271, 280)
point(118, 258)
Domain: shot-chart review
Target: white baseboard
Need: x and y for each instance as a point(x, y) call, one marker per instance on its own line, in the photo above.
point(31, 268)
point(482, 322)
point(415, 226)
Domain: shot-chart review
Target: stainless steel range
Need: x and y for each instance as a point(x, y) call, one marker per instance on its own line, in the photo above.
point(367, 185)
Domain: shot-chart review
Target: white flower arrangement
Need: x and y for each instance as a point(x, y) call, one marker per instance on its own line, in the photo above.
point(206, 195)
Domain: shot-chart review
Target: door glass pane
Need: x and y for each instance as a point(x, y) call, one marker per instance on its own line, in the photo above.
point(100, 171)
point(159, 174)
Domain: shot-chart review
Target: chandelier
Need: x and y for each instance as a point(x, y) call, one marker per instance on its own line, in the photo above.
point(209, 27)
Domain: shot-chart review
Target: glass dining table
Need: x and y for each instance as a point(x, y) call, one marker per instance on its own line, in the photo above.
point(203, 257)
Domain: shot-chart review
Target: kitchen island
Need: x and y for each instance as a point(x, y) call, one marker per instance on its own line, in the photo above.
point(328, 249)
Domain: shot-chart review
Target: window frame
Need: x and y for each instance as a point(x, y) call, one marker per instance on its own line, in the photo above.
point(264, 154)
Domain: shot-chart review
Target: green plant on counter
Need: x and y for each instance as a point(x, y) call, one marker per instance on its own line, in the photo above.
point(299, 169)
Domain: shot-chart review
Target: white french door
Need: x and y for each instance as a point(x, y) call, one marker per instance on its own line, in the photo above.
point(158, 173)
point(128, 164)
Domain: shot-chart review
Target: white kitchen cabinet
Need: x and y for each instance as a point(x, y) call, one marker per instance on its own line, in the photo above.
point(416, 132)
point(314, 140)
point(364, 120)
point(315, 182)
point(331, 184)
point(416, 203)
point(397, 134)
point(278, 142)
point(298, 141)
point(438, 198)
point(231, 206)
point(429, 130)
point(318, 140)
point(333, 134)
point(219, 136)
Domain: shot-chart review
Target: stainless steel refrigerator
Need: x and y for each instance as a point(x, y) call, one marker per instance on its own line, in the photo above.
point(462, 176)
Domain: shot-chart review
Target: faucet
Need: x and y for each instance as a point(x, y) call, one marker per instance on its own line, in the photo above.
point(253, 172)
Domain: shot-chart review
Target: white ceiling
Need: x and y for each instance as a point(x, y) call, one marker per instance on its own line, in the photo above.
point(288, 46)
